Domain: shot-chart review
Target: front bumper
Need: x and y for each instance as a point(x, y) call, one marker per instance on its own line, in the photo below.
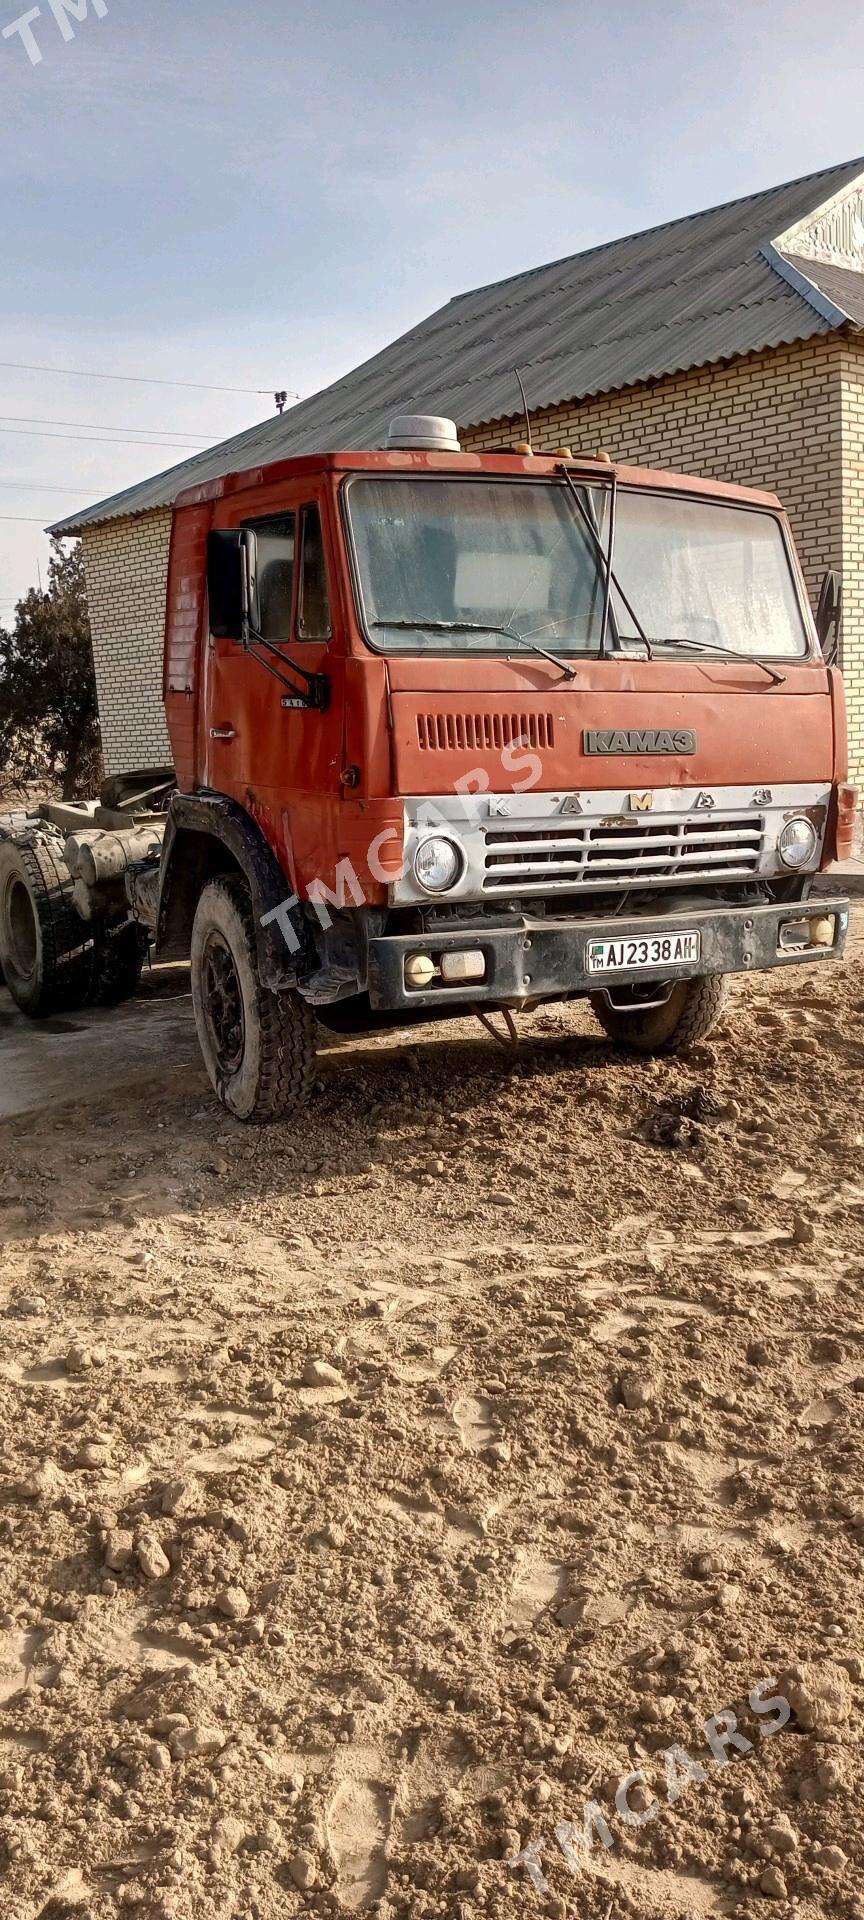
point(547, 959)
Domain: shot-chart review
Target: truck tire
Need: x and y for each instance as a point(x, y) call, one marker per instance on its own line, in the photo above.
point(46, 953)
point(689, 1015)
point(118, 963)
point(258, 1046)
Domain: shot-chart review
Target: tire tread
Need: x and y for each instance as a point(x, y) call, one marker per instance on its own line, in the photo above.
point(703, 1007)
point(287, 1028)
point(118, 963)
point(67, 948)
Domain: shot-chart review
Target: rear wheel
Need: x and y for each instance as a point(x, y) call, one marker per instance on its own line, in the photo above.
point(689, 1015)
point(46, 952)
point(258, 1046)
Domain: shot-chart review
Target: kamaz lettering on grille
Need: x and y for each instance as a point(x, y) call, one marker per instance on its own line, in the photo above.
point(639, 740)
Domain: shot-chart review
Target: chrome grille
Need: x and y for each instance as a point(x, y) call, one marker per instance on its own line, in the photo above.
point(581, 853)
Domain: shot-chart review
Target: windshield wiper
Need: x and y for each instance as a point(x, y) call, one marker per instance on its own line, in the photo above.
point(610, 578)
point(478, 626)
point(724, 653)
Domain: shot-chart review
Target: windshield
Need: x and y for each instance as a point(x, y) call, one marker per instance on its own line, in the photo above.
point(498, 566)
point(716, 575)
point(497, 559)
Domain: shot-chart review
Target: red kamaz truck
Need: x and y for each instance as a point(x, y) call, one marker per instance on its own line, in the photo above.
point(457, 731)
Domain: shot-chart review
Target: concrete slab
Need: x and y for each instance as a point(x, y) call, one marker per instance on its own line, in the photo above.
point(83, 1056)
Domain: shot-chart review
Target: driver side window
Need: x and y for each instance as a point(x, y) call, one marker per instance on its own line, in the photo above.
point(277, 539)
point(313, 613)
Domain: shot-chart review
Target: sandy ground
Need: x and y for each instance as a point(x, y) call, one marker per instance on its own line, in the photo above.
point(377, 1492)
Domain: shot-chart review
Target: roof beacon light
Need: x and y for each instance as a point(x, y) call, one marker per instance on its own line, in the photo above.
point(422, 433)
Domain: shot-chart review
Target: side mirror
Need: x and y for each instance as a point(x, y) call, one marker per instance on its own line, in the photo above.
point(828, 616)
point(232, 584)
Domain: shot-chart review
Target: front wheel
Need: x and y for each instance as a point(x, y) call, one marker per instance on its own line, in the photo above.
point(258, 1046)
point(689, 1015)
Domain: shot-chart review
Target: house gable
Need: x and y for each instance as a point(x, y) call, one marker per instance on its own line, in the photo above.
point(833, 233)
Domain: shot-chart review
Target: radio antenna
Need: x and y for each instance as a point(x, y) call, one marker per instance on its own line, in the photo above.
point(525, 410)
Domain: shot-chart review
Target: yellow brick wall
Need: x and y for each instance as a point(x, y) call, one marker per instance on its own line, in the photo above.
point(126, 567)
point(852, 400)
point(791, 420)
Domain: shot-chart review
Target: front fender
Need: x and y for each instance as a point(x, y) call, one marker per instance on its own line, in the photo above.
point(208, 834)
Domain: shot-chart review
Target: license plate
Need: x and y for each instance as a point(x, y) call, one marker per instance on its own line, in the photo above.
point(627, 956)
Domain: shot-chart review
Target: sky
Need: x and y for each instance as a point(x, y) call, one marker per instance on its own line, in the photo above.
point(214, 195)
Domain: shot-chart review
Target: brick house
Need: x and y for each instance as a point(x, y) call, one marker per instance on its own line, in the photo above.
point(729, 344)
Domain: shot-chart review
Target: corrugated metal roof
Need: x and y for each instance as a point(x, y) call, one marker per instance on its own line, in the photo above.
point(673, 297)
point(843, 285)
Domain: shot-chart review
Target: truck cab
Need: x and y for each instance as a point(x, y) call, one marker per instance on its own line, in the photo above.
point(459, 731)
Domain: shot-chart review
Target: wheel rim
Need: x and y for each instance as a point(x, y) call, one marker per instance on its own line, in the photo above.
point(223, 1005)
point(22, 937)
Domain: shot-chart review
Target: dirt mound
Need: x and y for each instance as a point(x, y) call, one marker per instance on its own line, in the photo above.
point(378, 1495)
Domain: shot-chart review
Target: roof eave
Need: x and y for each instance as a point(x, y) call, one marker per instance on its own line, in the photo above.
point(795, 336)
point(69, 529)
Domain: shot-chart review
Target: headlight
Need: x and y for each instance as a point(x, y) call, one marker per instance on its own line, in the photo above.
point(797, 843)
point(437, 865)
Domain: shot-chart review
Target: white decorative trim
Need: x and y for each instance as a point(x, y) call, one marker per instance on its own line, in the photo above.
point(832, 232)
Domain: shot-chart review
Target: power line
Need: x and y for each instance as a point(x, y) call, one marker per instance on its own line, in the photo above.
point(134, 379)
point(47, 486)
point(37, 433)
point(96, 426)
point(24, 519)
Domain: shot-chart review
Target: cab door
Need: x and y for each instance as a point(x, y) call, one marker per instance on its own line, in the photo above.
point(280, 758)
